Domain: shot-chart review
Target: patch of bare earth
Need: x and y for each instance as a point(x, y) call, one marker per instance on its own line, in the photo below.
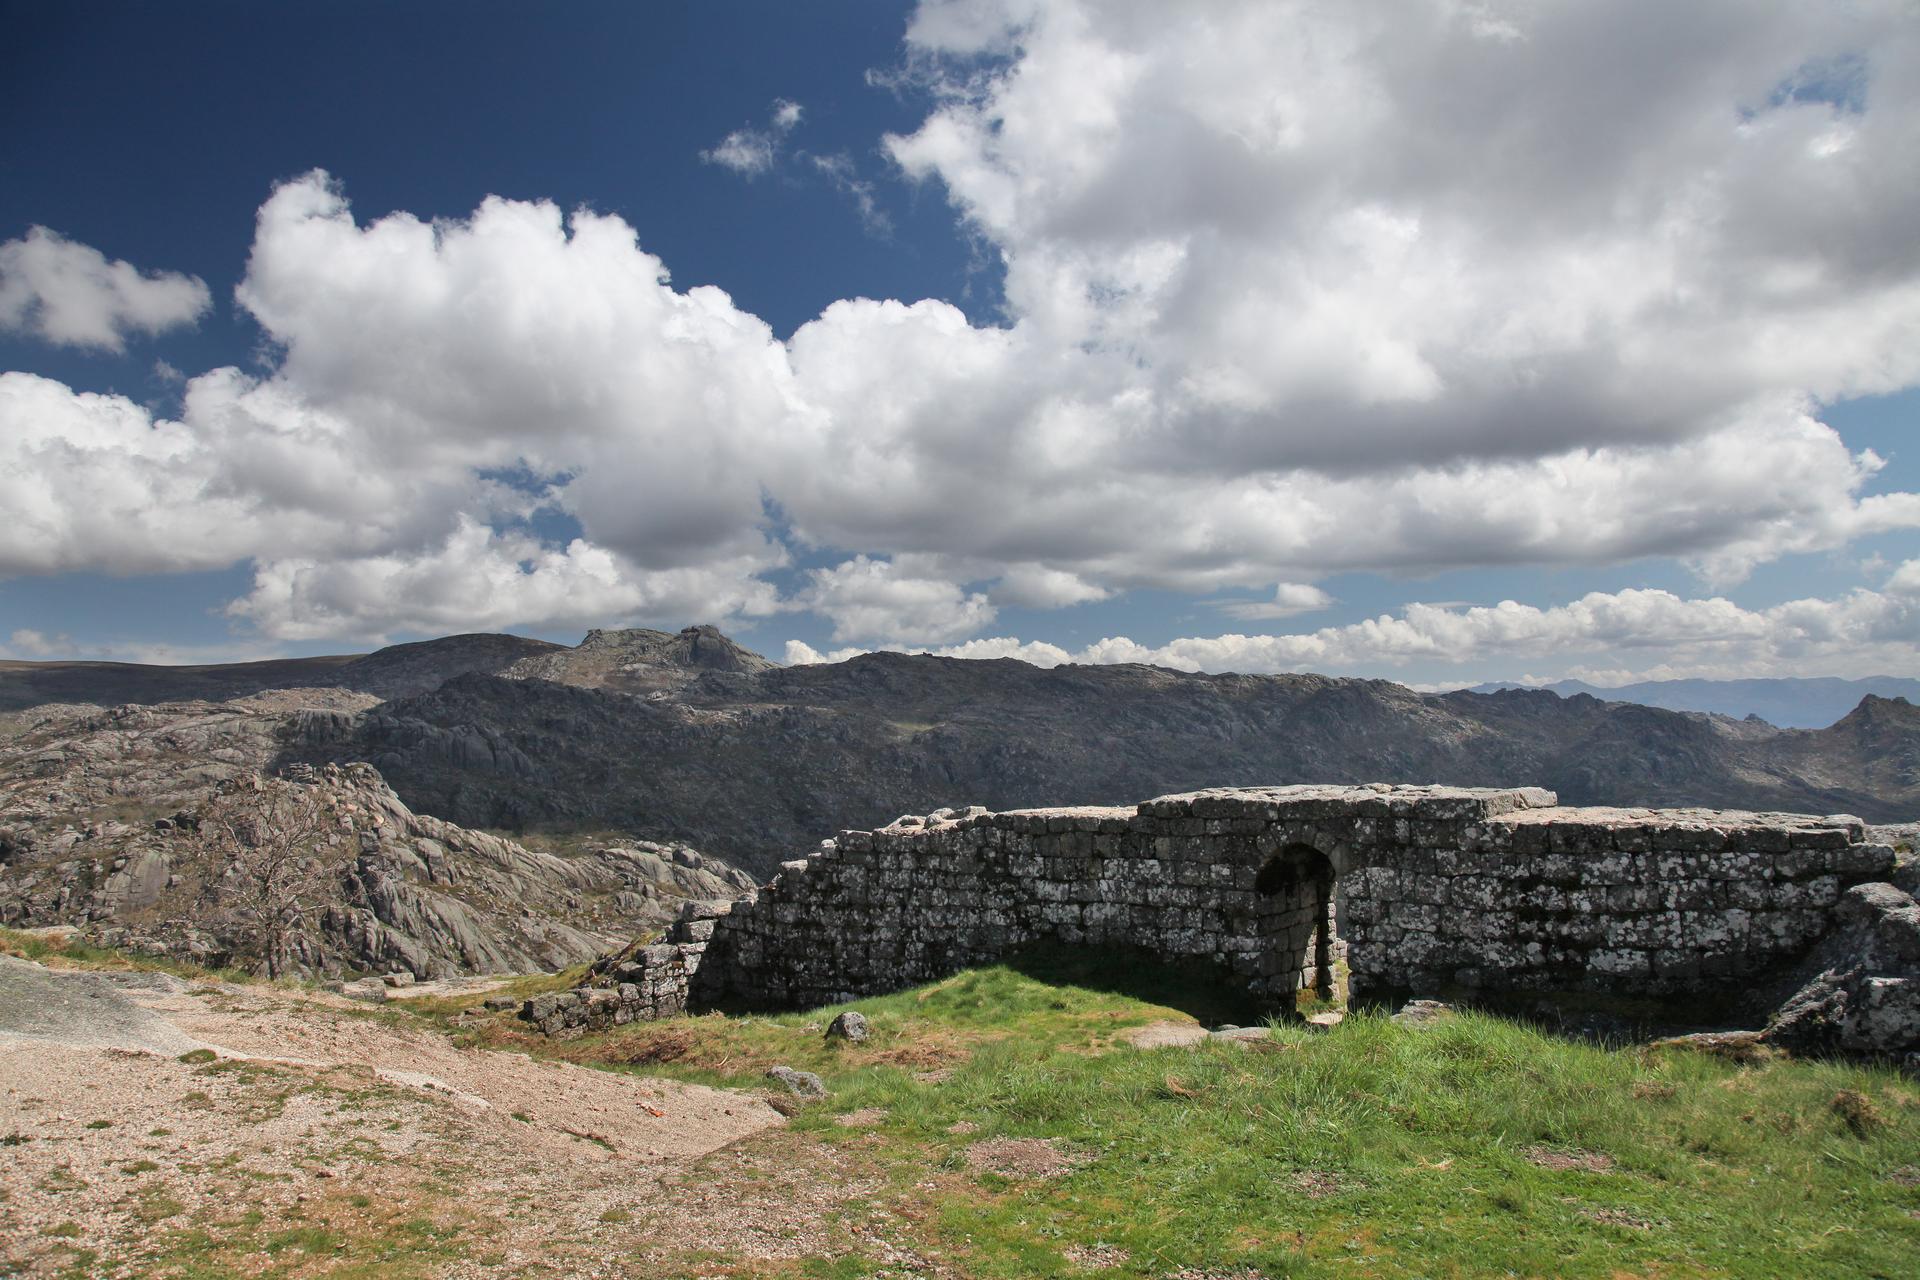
point(1165, 1035)
point(1317, 1184)
point(1095, 1257)
point(1024, 1157)
point(310, 1119)
point(632, 1116)
point(1562, 1161)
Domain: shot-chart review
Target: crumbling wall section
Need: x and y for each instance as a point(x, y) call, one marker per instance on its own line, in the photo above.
point(640, 983)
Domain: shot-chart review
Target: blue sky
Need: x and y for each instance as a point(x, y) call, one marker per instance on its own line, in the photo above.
point(1436, 344)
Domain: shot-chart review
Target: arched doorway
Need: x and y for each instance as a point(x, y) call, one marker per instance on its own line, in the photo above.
point(1294, 900)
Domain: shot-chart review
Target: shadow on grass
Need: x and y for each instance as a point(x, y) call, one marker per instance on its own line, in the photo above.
point(1208, 993)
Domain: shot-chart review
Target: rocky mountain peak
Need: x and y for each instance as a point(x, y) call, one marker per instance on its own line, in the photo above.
point(641, 660)
point(1880, 721)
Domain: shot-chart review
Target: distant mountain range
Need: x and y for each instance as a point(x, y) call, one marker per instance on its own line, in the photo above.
point(1812, 702)
point(686, 736)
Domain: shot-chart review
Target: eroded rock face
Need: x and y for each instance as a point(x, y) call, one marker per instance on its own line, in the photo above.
point(640, 661)
point(100, 827)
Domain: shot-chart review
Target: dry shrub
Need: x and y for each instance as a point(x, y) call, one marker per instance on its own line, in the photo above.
point(1318, 1183)
point(1856, 1109)
point(1569, 1160)
point(668, 1044)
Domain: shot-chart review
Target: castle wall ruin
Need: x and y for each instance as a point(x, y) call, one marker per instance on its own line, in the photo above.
point(1426, 890)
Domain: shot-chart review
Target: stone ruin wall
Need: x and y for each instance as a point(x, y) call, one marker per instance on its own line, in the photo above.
point(1425, 890)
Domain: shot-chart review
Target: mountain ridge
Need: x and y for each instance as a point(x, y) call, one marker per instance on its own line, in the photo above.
point(687, 736)
point(757, 765)
point(1788, 702)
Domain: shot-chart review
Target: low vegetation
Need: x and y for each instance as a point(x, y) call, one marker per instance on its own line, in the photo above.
point(1475, 1146)
point(60, 949)
point(1008, 1128)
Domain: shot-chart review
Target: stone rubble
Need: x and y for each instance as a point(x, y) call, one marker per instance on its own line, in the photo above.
point(801, 1084)
point(850, 1026)
point(642, 982)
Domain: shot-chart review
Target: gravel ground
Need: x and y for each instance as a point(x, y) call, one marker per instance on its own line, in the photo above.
point(298, 1122)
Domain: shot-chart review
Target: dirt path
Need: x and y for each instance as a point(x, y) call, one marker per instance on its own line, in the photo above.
point(319, 1132)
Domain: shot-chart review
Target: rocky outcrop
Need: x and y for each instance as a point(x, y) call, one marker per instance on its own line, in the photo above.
point(100, 827)
point(1859, 993)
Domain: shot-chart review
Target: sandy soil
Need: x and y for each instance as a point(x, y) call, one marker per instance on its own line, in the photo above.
point(296, 1122)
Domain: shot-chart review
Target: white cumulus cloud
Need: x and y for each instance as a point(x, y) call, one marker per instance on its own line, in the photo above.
point(877, 600)
point(481, 579)
point(1292, 289)
point(1289, 599)
point(1860, 633)
point(71, 294)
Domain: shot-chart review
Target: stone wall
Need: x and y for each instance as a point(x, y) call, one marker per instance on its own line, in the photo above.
point(1425, 890)
point(1432, 889)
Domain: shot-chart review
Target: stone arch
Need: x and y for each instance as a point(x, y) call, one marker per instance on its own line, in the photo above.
point(1294, 916)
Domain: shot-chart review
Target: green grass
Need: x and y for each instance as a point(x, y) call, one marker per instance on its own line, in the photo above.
point(1373, 1149)
point(335, 1236)
point(1057, 998)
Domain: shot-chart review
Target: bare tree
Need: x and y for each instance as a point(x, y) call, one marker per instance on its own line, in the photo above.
point(272, 852)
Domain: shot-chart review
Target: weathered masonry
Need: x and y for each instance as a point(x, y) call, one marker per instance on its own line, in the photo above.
point(1424, 889)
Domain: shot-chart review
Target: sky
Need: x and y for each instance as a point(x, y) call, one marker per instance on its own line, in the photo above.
point(1440, 342)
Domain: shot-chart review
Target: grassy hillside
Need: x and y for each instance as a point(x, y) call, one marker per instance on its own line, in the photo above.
point(1016, 1134)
